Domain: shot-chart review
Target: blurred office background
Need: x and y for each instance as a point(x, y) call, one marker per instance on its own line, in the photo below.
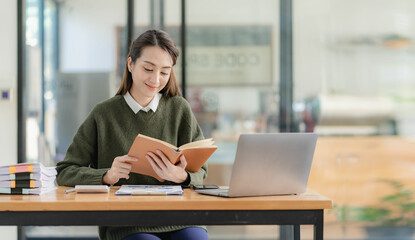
point(344, 69)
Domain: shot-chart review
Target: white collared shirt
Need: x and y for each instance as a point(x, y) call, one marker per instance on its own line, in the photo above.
point(137, 107)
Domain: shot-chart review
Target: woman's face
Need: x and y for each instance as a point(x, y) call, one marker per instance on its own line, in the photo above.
point(150, 72)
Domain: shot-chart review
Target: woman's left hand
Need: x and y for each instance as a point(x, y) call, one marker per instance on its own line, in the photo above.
point(165, 169)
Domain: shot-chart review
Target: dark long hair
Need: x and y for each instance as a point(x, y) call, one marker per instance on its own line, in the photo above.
point(147, 39)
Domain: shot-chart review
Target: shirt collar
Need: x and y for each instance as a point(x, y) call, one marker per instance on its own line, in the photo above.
point(137, 107)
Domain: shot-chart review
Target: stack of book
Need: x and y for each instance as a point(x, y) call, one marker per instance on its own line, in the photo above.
point(27, 178)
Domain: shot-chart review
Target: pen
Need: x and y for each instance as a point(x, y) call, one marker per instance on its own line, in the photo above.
point(70, 190)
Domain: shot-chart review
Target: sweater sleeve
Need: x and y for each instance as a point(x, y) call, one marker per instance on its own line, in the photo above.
point(195, 178)
point(80, 163)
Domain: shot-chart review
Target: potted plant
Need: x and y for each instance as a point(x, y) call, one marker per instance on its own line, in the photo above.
point(393, 216)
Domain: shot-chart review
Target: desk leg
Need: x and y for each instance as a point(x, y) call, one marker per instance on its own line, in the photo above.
point(21, 233)
point(297, 235)
point(290, 232)
point(318, 227)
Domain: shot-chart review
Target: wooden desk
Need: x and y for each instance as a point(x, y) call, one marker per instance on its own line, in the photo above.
point(56, 208)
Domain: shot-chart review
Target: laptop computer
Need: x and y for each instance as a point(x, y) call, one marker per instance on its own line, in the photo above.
point(269, 164)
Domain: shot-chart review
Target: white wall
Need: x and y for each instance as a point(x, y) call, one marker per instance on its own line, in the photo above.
point(8, 80)
point(88, 36)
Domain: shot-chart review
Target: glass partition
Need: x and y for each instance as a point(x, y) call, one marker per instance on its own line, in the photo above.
point(354, 85)
point(71, 65)
point(232, 76)
point(233, 69)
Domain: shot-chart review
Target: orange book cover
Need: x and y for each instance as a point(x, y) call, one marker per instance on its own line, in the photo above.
point(196, 153)
point(19, 168)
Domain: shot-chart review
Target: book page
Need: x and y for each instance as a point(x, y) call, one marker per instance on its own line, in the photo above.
point(196, 144)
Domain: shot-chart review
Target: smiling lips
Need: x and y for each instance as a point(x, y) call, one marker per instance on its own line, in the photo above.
point(151, 87)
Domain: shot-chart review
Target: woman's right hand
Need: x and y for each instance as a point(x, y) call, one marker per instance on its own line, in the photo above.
point(121, 167)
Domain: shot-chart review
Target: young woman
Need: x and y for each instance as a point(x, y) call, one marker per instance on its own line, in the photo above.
point(148, 102)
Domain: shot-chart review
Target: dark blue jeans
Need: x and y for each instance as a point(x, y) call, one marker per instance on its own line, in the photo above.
point(184, 234)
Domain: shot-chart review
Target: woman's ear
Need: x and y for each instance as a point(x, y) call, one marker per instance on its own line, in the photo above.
point(129, 64)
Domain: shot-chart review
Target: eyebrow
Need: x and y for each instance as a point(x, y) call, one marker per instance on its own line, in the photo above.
point(155, 64)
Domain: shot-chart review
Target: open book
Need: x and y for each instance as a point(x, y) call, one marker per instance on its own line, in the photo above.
point(196, 153)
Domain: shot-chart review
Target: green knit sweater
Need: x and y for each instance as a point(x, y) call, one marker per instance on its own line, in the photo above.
point(109, 131)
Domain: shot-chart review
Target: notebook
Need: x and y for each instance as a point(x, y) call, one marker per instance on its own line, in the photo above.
point(28, 167)
point(269, 164)
point(150, 190)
